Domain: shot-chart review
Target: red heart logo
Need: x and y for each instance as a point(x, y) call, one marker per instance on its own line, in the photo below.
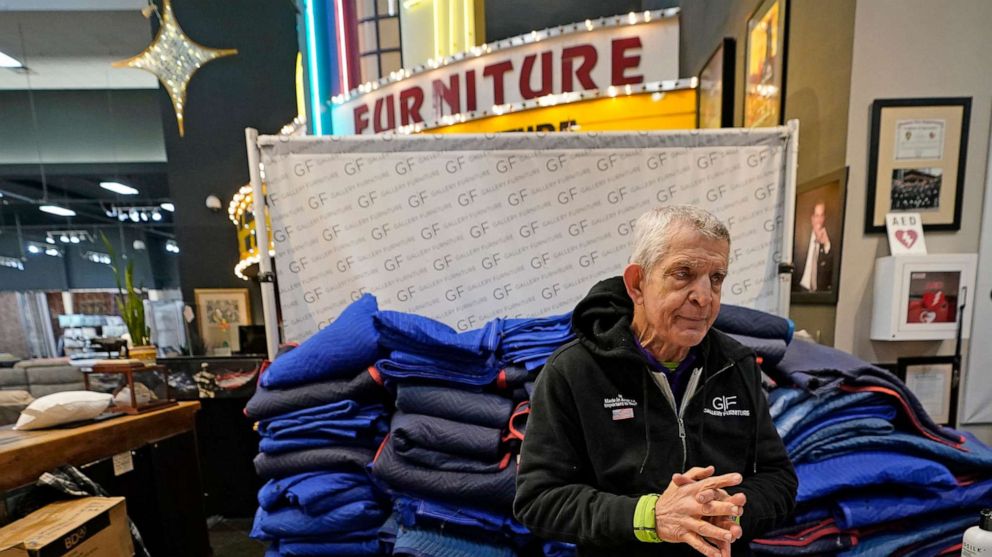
point(906, 237)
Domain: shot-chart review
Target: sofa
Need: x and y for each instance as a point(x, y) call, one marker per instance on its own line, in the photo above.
point(30, 379)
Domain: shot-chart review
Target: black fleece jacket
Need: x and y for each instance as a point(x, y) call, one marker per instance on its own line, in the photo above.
point(602, 433)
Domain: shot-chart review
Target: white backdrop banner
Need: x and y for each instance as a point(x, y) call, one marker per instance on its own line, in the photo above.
point(468, 228)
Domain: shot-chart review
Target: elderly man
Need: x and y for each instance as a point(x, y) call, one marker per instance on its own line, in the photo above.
point(651, 428)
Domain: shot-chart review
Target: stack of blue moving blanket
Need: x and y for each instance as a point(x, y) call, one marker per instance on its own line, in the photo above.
point(877, 476)
point(321, 414)
point(446, 461)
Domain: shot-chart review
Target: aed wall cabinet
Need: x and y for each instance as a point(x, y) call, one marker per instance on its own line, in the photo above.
point(919, 297)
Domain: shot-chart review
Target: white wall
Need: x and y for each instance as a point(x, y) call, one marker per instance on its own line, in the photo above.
point(911, 48)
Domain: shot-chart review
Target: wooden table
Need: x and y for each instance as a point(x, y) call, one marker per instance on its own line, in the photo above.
point(25, 455)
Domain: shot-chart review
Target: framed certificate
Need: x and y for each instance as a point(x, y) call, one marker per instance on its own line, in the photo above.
point(934, 381)
point(917, 160)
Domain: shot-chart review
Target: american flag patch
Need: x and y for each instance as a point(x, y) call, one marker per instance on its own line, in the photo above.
point(623, 414)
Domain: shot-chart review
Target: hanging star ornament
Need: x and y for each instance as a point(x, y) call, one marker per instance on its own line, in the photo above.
point(173, 58)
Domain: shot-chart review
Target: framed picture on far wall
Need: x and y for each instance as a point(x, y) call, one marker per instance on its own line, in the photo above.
point(220, 312)
point(715, 98)
point(764, 64)
point(917, 161)
point(934, 381)
point(817, 244)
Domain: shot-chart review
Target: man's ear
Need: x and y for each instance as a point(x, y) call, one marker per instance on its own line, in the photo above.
point(633, 276)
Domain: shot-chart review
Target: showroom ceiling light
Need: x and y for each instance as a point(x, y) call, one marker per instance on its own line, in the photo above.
point(118, 187)
point(58, 211)
point(169, 207)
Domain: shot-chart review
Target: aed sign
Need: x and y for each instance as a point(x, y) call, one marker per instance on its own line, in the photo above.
point(624, 53)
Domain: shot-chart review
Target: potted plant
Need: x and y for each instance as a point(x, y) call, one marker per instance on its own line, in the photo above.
point(131, 307)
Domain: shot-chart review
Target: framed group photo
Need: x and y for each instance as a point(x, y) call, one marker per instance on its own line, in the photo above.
point(715, 98)
point(220, 312)
point(818, 240)
point(764, 64)
point(916, 161)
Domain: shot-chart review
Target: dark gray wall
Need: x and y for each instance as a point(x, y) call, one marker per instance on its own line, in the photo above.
point(94, 126)
point(817, 88)
point(508, 18)
point(256, 88)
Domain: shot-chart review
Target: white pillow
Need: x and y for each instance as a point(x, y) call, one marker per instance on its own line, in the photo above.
point(62, 408)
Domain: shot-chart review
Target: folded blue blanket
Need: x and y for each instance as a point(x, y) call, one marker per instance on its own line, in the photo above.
point(411, 431)
point(357, 548)
point(454, 404)
point(417, 334)
point(492, 491)
point(974, 456)
point(418, 542)
point(292, 522)
point(412, 512)
point(829, 435)
point(808, 427)
point(268, 403)
point(345, 422)
point(316, 492)
point(771, 350)
point(861, 511)
point(821, 369)
point(341, 349)
point(909, 533)
point(403, 366)
point(782, 398)
point(737, 320)
point(869, 468)
point(814, 408)
point(353, 459)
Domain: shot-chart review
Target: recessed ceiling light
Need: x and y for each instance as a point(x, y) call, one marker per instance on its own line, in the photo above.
point(168, 207)
point(56, 210)
point(118, 187)
point(9, 62)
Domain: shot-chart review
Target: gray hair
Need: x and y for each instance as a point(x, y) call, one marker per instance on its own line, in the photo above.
point(655, 228)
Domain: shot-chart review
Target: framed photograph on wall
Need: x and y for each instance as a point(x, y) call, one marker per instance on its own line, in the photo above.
point(764, 64)
point(715, 98)
point(220, 312)
point(916, 161)
point(934, 381)
point(817, 244)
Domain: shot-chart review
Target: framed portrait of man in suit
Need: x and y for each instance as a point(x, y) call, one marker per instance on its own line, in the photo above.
point(816, 246)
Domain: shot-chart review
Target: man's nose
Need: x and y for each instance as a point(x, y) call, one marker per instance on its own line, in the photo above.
point(700, 292)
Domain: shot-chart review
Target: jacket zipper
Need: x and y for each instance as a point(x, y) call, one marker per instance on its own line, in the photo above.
point(690, 391)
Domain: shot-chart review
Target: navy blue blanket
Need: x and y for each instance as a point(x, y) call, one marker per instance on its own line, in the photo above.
point(269, 466)
point(491, 491)
point(339, 350)
point(737, 320)
point(411, 431)
point(268, 403)
point(421, 542)
point(454, 404)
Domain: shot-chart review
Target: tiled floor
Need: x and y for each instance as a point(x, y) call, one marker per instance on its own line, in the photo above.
point(229, 538)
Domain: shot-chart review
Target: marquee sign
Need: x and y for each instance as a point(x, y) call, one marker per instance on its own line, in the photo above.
point(624, 54)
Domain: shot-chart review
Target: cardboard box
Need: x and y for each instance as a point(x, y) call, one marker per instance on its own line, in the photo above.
point(87, 527)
